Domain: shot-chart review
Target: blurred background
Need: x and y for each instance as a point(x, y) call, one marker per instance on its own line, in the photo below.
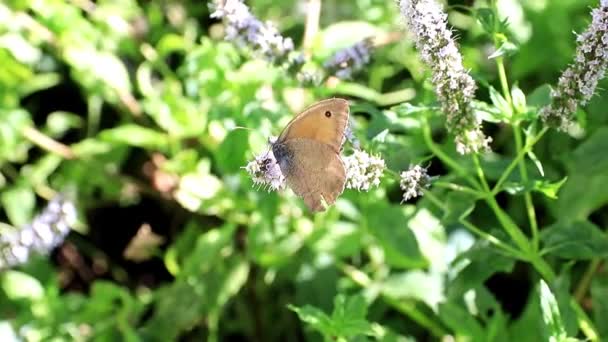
point(128, 214)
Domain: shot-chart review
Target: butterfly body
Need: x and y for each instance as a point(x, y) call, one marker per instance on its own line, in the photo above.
point(308, 153)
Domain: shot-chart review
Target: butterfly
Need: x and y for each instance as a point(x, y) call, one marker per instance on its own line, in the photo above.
point(308, 153)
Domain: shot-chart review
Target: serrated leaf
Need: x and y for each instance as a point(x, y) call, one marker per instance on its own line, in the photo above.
point(487, 19)
point(575, 240)
point(346, 321)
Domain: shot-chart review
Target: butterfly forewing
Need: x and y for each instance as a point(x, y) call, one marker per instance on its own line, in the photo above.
point(324, 122)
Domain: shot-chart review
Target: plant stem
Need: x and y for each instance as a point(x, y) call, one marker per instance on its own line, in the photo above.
point(475, 230)
point(583, 284)
point(504, 84)
point(458, 187)
point(527, 196)
point(426, 129)
point(515, 161)
point(47, 143)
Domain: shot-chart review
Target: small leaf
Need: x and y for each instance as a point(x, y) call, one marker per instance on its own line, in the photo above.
point(135, 135)
point(519, 100)
point(487, 19)
point(499, 101)
point(346, 321)
point(18, 202)
point(418, 285)
point(19, 285)
point(549, 189)
point(506, 49)
point(575, 240)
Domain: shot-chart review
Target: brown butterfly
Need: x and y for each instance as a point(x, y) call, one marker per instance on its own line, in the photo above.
point(308, 152)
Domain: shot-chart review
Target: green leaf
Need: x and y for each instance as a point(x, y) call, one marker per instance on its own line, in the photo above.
point(418, 285)
point(232, 152)
point(346, 321)
point(478, 269)
point(461, 322)
point(389, 225)
point(19, 285)
point(540, 96)
point(487, 19)
point(499, 101)
point(507, 48)
point(575, 240)
point(458, 205)
point(519, 100)
point(57, 123)
point(19, 202)
point(135, 135)
point(587, 186)
point(547, 188)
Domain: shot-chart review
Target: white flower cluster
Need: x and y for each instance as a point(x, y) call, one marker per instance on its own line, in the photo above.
point(413, 181)
point(45, 232)
point(577, 83)
point(246, 30)
point(454, 87)
point(265, 171)
point(363, 171)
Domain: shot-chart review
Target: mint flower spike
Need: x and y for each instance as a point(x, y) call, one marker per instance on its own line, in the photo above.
point(414, 181)
point(246, 30)
point(265, 171)
point(578, 82)
point(45, 232)
point(348, 61)
point(363, 171)
point(454, 87)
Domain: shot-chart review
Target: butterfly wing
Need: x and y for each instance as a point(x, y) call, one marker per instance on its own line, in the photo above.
point(314, 171)
point(324, 122)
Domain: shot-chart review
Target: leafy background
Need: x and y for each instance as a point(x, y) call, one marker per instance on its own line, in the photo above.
point(141, 100)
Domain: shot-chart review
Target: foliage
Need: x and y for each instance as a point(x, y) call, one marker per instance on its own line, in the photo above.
point(135, 111)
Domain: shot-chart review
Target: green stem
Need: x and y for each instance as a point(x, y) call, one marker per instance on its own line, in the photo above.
point(520, 155)
point(475, 230)
point(458, 187)
point(583, 284)
point(504, 84)
point(426, 130)
point(527, 196)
